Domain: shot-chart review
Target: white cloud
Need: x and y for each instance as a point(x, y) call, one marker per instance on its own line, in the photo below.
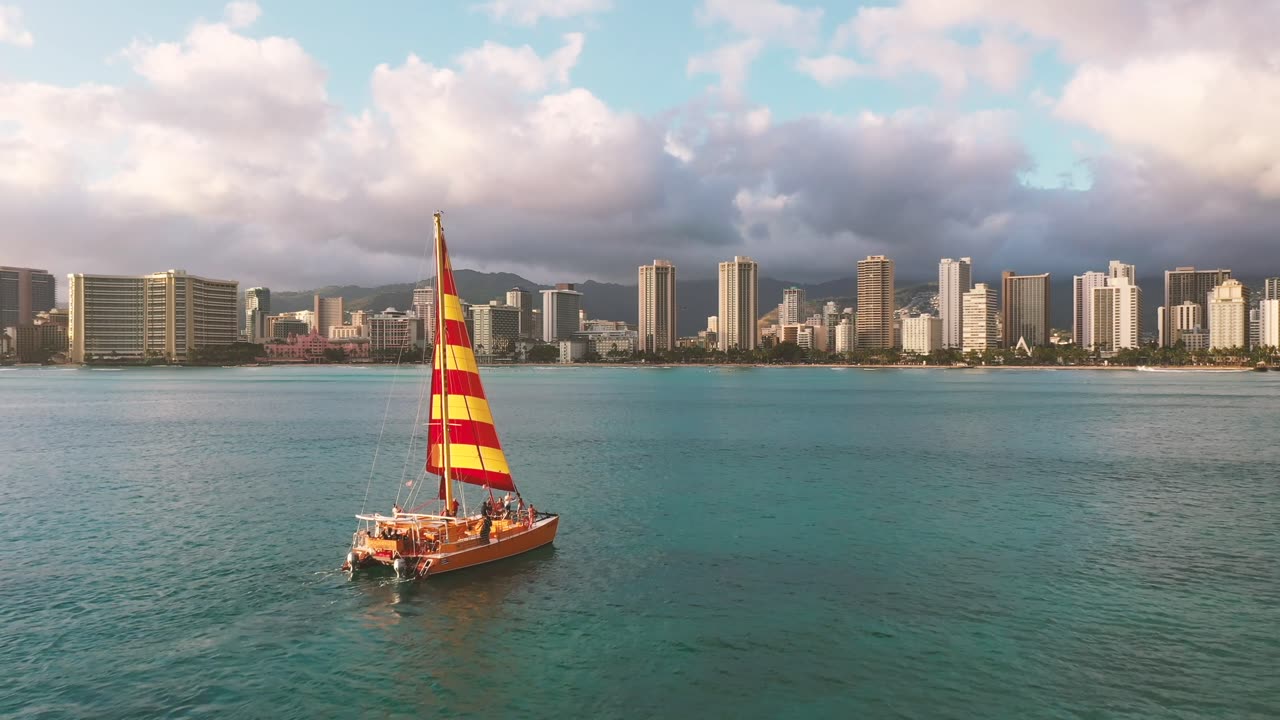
point(529, 12)
point(12, 29)
point(913, 38)
point(1209, 111)
point(242, 13)
point(731, 63)
point(522, 65)
point(830, 70)
point(765, 20)
point(225, 154)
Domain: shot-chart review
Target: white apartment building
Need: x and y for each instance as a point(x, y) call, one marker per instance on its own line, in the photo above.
point(846, 336)
point(1229, 315)
point(955, 278)
point(921, 334)
point(981, 312)
point(1116, 314)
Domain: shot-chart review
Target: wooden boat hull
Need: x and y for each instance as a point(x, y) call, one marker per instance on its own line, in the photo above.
point(470, 551)
point(498, 548)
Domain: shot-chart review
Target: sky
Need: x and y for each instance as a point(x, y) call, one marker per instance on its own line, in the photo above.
point(296, 144)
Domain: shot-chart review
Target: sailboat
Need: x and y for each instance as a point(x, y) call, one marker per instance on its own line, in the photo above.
point(439, 535)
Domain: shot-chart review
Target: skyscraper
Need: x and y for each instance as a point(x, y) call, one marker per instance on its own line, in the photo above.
point(164, 315)
point(521, 299)
point(1269, 313)
point(980, 310)
point(1025, 303)
point(875, 302)
point(1187, 283)
point(24, 292)
point(560, 312)
point(791, 310)
point(739, 304)
point(328, 313)
point(1082, 288)
point(1116, 314)
point(497, 327)
point(657, 306)
point(257, 307)
point(1229, 315)
point(424, 306)
point(955, 277)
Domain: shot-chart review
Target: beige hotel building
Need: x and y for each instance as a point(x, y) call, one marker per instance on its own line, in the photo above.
point(161, 315)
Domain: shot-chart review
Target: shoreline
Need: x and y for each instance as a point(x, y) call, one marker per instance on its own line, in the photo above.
point(671, 366)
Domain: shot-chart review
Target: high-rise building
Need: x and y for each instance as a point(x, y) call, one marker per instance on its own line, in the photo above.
point(497, 327)
point(1116, 314)
point(561, 312)
point(980, 314)
point(875, 302)
point(921, 334)
point(713, 323)
point(328, 312)
point(521, 299)
point(1184, 318)
point(739, 304)
point(1117, 269)
point(1255, 327)
point(257, 308)
point(162, 315)
point(24, 292)
point(657, 306)
point(392, 331)
point(791, 310)
point(1269, 323)
point(1025, 308)
point(1187, 283)
point(1082, 306)
point(846, 336)
point(955, 277)
point(424, 306)
point(1229, 315)
point(280, 327)
point(1269, 313)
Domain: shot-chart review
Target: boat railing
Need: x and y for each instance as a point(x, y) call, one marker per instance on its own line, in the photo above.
point(409, 517)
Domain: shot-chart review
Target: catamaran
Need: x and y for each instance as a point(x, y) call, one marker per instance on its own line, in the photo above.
point(438, 535)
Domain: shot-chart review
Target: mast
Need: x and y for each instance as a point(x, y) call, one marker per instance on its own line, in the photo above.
point(442, 352)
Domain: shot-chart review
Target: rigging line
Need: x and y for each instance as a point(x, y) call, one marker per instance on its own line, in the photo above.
point(422, 261)
point(413, 436)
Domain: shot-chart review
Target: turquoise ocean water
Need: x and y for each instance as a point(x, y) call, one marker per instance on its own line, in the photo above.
point(734, 543)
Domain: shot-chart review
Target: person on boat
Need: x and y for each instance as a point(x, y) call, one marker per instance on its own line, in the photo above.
point(453, 511)
point(486, 509)
point(484, 529)
point(395, 510)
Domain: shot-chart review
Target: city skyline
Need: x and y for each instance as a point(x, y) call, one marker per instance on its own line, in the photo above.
point(783, 131)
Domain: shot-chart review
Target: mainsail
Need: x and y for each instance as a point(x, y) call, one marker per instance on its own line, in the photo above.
point(461, 435)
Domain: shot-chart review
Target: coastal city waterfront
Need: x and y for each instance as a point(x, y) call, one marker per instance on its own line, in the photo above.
point(1208, 319)
point(783, 541)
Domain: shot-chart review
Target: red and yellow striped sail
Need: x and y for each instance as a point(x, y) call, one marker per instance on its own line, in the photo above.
point(475, 455)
